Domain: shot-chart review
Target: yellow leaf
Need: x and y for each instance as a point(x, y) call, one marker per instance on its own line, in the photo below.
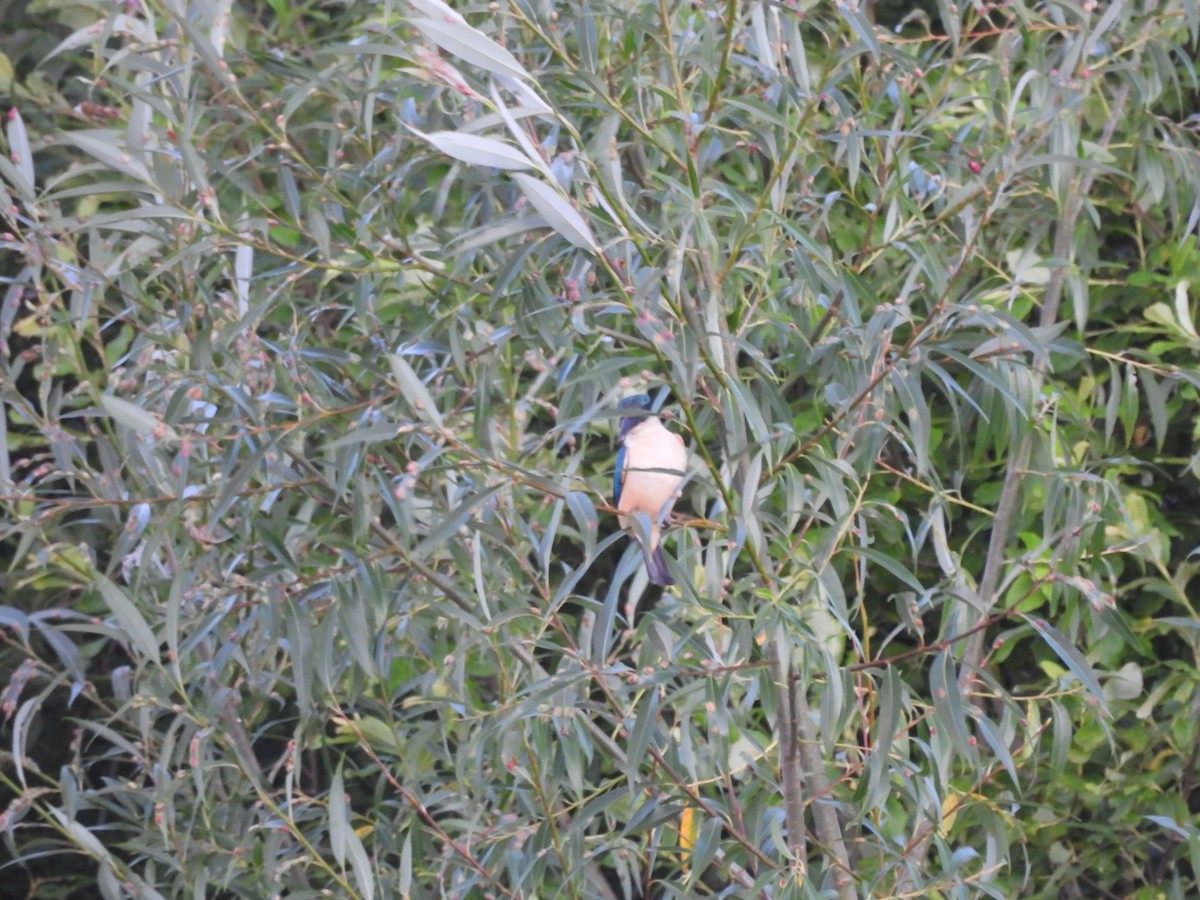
point(27, 327)
point(689, 827)
point(950, 807)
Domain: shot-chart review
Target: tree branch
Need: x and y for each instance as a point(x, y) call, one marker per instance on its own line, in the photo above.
point(1018, 464)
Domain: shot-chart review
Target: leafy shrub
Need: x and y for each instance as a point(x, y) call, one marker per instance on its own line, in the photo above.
point(316, 318)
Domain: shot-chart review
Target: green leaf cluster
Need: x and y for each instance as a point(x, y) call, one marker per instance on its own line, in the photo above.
point(315, 322)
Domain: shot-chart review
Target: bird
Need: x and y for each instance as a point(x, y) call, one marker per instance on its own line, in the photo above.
point(651, 463)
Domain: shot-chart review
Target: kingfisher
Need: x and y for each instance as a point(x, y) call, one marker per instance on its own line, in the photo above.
point(651, 463)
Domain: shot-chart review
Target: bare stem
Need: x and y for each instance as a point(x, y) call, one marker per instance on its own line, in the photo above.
point(1018, 464)
point(801, 764)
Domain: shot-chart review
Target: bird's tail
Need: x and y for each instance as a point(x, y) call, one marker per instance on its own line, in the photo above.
point(656, 568)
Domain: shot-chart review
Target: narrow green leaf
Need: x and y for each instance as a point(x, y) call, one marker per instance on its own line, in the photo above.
point(764, 45)
point(472, 46)
point(797, 55)
point(585, 30)
point(137, 419)
point(5, 463)
point(406, 869)
point(415, 391)
point(1130, 404)
point(708, 841)
point(1112, 408)
point(128, 617)
point(344, 841)
point(587, 520)
point(19, 150)
point(1062, 733)
point(476, 149)
point(290, 193)
point(98, 32)
point(948, 703)
point(364, 875)
point(1091, 44)
point(987, 374)
point(1156, 402)
point(21, 724)
point(1071, 658)
point(1183, 312)
point(491, 234)
point(300, 649)
point(236, 477)
point(861, 26)
point(84, 838)
point(545, 543)
point(1171, 825)
point(650, 815)
point(887, 723)
point(11, 617)
point(454, 520)
point(558, 212)
point(833, 701)
point(370, 434)
point(996, 741)
point(436, 9)
point(887, 562)
point(603, 631)
point(908, 391)
point(642, 735)
point(318, 229)
point(107, 147)
point(521, 135)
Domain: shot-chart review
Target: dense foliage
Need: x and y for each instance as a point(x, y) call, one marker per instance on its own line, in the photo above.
point(315, 319)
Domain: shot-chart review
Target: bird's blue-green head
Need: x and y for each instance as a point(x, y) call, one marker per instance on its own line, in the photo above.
point(628, 423)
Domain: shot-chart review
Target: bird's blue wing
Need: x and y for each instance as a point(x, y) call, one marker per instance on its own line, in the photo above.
point(618, 472)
